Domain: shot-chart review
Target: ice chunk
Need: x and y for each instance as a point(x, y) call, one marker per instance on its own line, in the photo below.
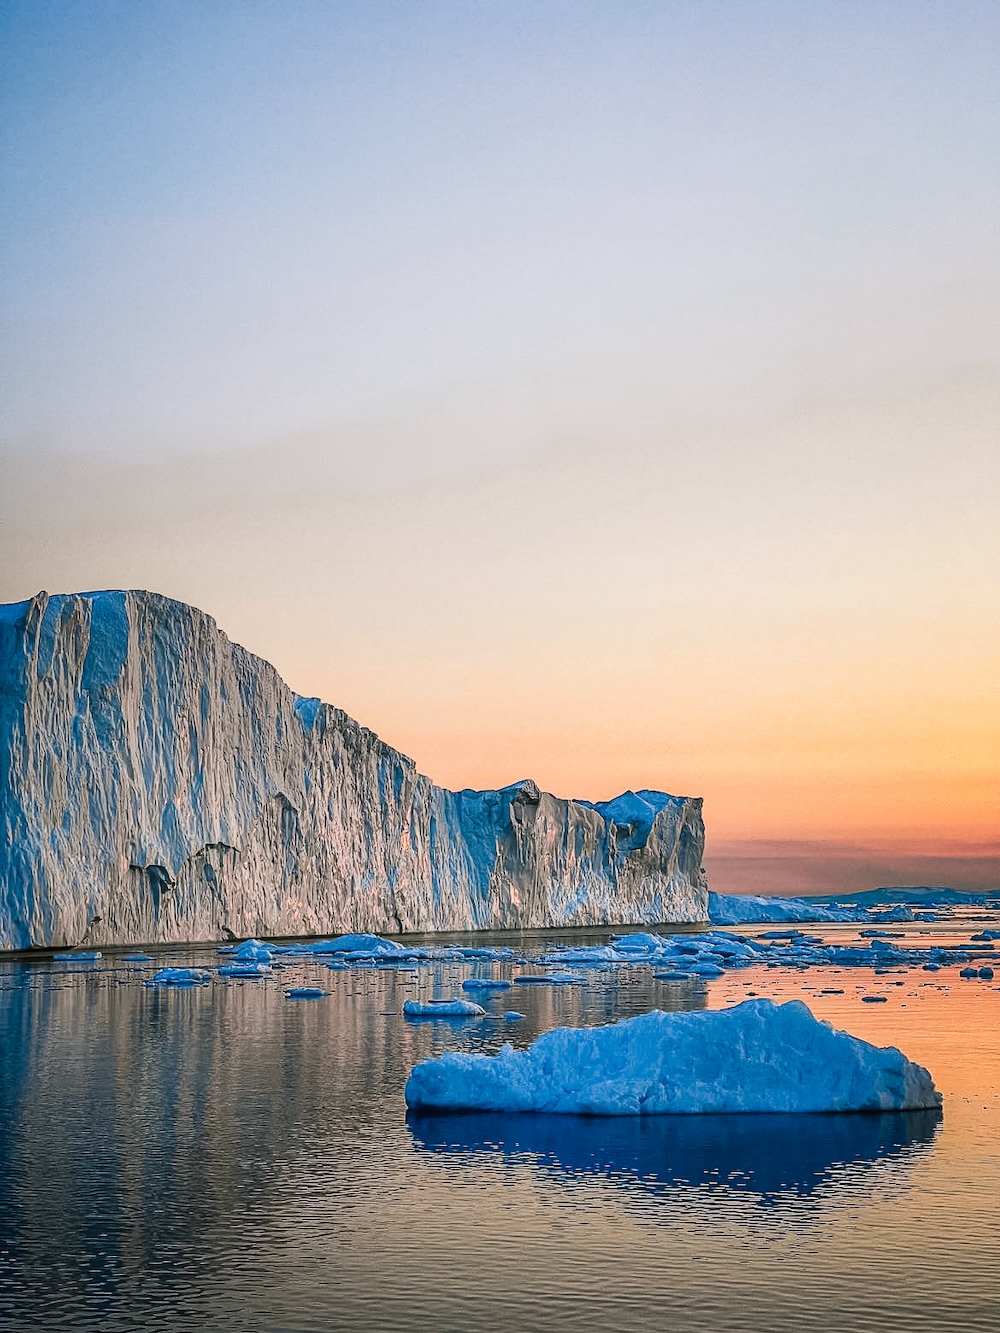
point(180, 976)
point(758, 1056)
point(442, 1009)
point(246, 970)
point(638, 940)
point(254, 951)
point(305, 993)
point(512, 1016)
point(484, 983)
point(82, 956)
point(361, 946)
point(705, 970)
point(137, 958)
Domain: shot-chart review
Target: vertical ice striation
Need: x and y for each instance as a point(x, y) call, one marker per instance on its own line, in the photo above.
point(159, 782)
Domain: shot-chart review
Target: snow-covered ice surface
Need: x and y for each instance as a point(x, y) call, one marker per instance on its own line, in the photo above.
point(755, 1057)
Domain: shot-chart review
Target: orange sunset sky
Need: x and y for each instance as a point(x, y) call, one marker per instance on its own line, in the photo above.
point(601, 394)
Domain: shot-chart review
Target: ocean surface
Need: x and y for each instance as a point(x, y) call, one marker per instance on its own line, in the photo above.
point(223, 1158)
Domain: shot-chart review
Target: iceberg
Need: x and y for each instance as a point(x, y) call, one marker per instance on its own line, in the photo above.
point(748, 909)
point(251, 951)
point(160, 783)
point(756, 1057)
point(180, 976)
point(442, 1009)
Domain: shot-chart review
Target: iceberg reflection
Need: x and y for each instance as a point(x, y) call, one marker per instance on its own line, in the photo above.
point(764, 1155)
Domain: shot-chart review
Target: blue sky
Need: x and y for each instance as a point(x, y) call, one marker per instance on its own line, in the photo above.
point(601, 391)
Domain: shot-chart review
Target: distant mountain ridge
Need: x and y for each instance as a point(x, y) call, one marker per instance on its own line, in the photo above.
point(159, 782)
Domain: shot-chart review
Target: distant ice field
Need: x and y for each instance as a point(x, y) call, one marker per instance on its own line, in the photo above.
point(202, 1151)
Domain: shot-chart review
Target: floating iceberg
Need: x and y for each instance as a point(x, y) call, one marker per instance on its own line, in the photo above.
point(442, 1009)
point(361, 946)
point(745, 910)
point(758, 1056)
point(251, 970)
point(196, 796)
point(484, 983)
point(251, 951)
point(81, 956)
point(180, 976)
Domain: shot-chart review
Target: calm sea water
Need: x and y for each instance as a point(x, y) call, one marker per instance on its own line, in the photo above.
point(223, 1158)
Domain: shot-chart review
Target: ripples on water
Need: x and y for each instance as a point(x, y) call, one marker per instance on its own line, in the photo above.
point(223, 1158)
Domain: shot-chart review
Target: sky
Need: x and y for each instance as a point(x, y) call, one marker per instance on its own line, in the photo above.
point(599, 392)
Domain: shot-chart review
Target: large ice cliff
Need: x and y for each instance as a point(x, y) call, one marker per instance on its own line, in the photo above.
point(158, 782)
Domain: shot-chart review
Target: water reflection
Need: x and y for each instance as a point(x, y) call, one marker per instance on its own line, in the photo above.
point(764, 1155)
point(223, 1158)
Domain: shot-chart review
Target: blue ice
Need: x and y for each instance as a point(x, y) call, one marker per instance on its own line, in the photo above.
point(758, 1056)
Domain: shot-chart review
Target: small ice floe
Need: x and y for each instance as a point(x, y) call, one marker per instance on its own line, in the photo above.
point(986, 974)
point(874, 999)
point(249, 971)
point(137, 958)
point(180, 976)
point(672, 976)
point(484, 983)
point(969, 972)
point(453, 1008)
point(80, 956)
point(638, 942)
point(305, 993)
point(361, 946)
point(512, 1016)
point(250, 951)
point(706, 970)
point(758, 1056)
